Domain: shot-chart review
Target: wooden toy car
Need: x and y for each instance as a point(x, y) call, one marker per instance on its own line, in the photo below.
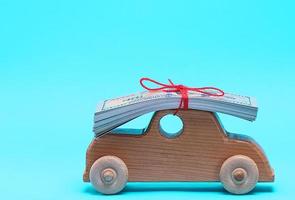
point(201, 151)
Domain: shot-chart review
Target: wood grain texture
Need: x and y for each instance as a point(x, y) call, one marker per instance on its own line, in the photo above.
point(196, 155)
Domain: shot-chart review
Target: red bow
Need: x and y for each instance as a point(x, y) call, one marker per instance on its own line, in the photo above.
point(183, 90)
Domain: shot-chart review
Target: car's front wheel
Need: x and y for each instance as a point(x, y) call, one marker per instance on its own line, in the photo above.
point(108, 174)
point(239, 174)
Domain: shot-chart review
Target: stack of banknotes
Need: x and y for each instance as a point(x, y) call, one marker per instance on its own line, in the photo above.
point(114, 112)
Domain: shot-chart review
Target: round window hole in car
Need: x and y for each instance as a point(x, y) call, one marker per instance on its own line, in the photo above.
point(171, 126)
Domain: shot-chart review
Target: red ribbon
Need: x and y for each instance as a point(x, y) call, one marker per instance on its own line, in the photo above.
point(183, 90)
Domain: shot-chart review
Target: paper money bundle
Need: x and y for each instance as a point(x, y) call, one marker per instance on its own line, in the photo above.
point(114, 112)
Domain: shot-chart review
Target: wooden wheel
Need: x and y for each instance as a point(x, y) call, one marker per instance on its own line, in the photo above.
point(239, 174)
point(108, 174)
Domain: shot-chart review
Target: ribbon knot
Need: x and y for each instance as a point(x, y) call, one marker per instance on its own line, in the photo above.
point(183, 90)
point(181, 87)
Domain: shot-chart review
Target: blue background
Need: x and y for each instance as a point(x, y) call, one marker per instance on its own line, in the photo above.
point(58, 59)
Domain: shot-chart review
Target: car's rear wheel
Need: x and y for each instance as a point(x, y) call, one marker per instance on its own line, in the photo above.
point(108, 174)
point(239, 174)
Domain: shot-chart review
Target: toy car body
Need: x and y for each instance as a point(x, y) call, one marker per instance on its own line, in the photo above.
point(203, 152)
